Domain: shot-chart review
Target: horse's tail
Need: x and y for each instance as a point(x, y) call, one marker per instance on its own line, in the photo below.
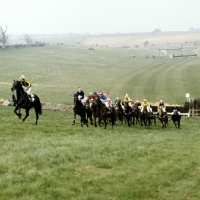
point(38, 105)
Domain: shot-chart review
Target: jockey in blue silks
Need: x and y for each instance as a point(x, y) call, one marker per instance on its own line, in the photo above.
point(81, 95)
point(103, 98)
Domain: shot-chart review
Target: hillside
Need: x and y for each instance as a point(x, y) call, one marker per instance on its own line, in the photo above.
point(139, 39)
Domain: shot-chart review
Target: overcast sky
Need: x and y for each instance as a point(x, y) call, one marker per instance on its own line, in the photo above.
point(98, 16)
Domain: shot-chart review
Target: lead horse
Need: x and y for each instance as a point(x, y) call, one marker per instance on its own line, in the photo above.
point(82, 110)
point(20, 102)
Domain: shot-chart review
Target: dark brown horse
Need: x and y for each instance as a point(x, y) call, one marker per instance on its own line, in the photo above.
point(152, 117)
point(162, 116)
point(112, 115)
point(144, 117)
point(128, 113)
point(119, 111)
point(176, 118)
point(100, 112)
point(136, 114)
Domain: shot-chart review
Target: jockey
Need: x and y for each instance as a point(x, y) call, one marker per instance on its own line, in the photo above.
point(103, 98)
point(176, 108)
point(116, 100)
point(132, 103)
point(25, 84)
point(147, 104)
point(162, 106)
point(95, 95)
point(138, 103)
point(127, 99)
point(27, 88)
point(81, 95)
point(109, 102)
point(91, 96)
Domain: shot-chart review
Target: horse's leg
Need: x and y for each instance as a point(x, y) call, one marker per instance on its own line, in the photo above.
point(27, 114)
point(91, 120)
point(154, 121)
point(89, 115)
point(37, 115)
point(129, 121)
point(81, 120)
point(15, 111)
point(105, 123)
point(133, 120)
point(94, 119)
point(74, 120)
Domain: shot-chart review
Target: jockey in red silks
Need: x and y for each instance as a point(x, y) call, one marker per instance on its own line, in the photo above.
point(162, 106)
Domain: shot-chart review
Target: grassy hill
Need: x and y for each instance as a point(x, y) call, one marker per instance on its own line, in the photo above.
point(131, 40)
point(56, 72)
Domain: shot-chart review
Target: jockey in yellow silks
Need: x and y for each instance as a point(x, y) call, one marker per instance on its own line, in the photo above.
point(25, 84)
point(127, 100)
point(147, 104)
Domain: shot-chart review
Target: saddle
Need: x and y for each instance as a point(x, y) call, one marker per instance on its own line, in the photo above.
point(31, 97)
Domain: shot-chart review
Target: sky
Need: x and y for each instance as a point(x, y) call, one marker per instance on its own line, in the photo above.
point(98, 16)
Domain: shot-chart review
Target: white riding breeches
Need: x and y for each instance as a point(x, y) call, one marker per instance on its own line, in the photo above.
point(149, 109)
point(27, 90)
point(163, 109)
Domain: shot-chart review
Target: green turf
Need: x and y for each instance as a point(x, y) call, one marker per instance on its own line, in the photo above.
point(55, 160)
point(57, 71)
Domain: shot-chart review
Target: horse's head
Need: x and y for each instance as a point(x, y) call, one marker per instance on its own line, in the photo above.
point(175, 112)
point(145, 109)
point(75, 98)
point(16, 86)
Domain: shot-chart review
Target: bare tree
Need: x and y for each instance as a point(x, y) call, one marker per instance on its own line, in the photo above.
point(28, 38)
point(3, 37)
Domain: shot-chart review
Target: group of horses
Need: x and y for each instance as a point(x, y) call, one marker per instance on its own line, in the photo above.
point(95, 111)
point(98, 114)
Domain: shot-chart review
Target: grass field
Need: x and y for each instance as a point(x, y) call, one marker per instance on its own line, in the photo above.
point(55, 160)
point(57, 71)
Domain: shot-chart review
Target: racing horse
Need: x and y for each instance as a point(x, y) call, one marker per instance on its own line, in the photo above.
point(162, 116)
point(22, 98)
point(81, 110)
point(119, 111)
point(112, 115)
point(136, 114)
point(100, 112)
point(176, 118)
point(128, 114)
point(144, 117)
point(152, 117)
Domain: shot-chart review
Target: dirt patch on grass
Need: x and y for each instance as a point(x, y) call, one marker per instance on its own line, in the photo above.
point(58, 107)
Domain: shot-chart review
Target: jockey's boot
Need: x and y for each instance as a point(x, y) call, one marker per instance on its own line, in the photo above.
point(30, 97)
